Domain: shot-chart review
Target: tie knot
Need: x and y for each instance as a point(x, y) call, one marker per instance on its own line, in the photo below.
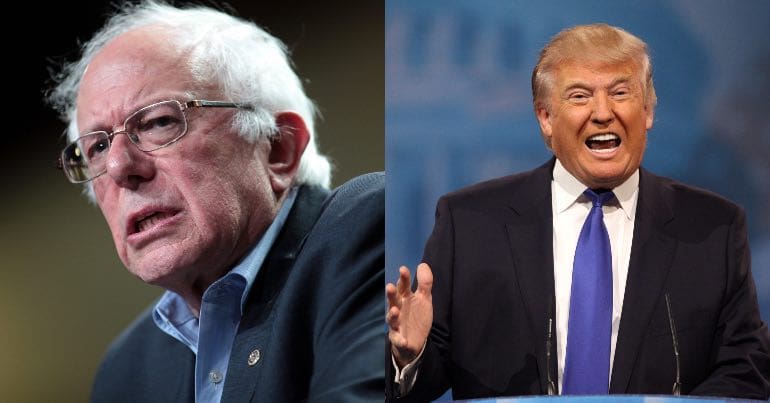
point(600, 197)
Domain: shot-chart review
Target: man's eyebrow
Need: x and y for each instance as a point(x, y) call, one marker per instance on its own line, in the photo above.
point(101, 126)
point(577, 84)
point(584, 85)
point(620, 80)
point(93, 127)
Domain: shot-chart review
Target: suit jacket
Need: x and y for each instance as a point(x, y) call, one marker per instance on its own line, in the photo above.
point(314, 314)
point(491, 252)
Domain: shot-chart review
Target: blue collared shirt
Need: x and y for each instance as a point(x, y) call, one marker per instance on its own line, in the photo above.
point(211, 337)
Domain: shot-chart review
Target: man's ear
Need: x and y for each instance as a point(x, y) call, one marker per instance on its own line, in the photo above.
point(649, 111)
point(286, 148)
point(544, 119)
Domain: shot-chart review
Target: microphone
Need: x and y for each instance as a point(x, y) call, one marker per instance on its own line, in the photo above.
point(677, 389)
point(548, 342)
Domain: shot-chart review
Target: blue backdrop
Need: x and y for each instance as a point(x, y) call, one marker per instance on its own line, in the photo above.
point(459, 110)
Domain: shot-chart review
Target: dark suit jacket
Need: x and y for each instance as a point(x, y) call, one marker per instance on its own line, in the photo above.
point(314, 313)
point(491, 252)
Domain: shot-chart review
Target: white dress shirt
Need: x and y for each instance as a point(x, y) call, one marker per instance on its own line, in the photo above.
point(570, 210)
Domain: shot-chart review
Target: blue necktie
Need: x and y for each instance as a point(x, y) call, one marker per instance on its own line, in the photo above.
point(587, 366)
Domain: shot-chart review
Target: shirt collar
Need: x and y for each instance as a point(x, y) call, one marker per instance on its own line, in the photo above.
point(569, 189)
point(173, 315)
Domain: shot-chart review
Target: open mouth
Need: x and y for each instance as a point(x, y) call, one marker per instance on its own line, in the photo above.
point(146, 222)
point(605, 142)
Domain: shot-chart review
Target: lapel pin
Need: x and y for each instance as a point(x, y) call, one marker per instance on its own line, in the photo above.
point(254, 357)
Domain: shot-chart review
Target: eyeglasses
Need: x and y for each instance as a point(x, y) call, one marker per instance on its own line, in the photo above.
point(150, 128)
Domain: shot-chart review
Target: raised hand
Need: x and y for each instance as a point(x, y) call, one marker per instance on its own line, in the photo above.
point(410, 314)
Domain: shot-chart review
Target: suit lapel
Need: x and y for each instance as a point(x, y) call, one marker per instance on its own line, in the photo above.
point(254, 329)
point(652, 251)
point(530, 236)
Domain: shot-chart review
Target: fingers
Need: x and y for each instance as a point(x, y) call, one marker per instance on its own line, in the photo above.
point(392, 318)
point(392, 295)
point(395, 295)
point(403, 287)
point(407, 336)
point(404, 284)
point(400, 290)
point(424, 279)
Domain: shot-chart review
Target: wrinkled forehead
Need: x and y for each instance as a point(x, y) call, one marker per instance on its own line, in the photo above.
point(136, 68)
point(586, 68)
point(146, 47)
point(135, 53)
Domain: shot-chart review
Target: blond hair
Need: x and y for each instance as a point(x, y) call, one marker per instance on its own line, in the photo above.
point(595, 44)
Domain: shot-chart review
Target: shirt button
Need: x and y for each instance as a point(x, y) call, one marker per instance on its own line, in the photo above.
point(215, 376)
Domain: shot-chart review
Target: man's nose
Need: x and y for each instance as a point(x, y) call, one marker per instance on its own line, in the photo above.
point(127, 165)
point(602, 112)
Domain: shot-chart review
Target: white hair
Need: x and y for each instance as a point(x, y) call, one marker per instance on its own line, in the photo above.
point(247, 63)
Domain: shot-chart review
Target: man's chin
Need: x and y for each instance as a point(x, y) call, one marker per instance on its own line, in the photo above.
point(156, 272)
point(608, 176)
point(157, 277)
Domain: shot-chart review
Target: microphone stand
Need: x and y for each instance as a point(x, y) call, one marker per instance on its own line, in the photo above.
point(677, 388)
point(548, 342)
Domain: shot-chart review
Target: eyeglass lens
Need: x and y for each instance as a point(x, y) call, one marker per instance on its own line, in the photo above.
point(149, 129)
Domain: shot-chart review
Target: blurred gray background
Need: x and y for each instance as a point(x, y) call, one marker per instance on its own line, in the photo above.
point(459, 104)
point(64, 295)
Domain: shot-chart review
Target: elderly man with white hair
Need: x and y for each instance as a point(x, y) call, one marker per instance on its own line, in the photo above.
point(193, 135)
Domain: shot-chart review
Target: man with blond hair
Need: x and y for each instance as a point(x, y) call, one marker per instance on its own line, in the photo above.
point(589, 274)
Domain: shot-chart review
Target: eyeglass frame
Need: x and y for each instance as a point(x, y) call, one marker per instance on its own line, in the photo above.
point(183, 106)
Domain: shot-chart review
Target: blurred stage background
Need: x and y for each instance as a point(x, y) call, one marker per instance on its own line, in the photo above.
point(64, 295)
point(459, 108)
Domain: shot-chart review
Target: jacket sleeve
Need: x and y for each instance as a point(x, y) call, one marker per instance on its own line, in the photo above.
point(742, 341)
point(347, 249)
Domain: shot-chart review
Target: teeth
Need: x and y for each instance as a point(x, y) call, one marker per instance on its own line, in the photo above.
point(604, 137)
point(603, 143)
point(150, 221)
